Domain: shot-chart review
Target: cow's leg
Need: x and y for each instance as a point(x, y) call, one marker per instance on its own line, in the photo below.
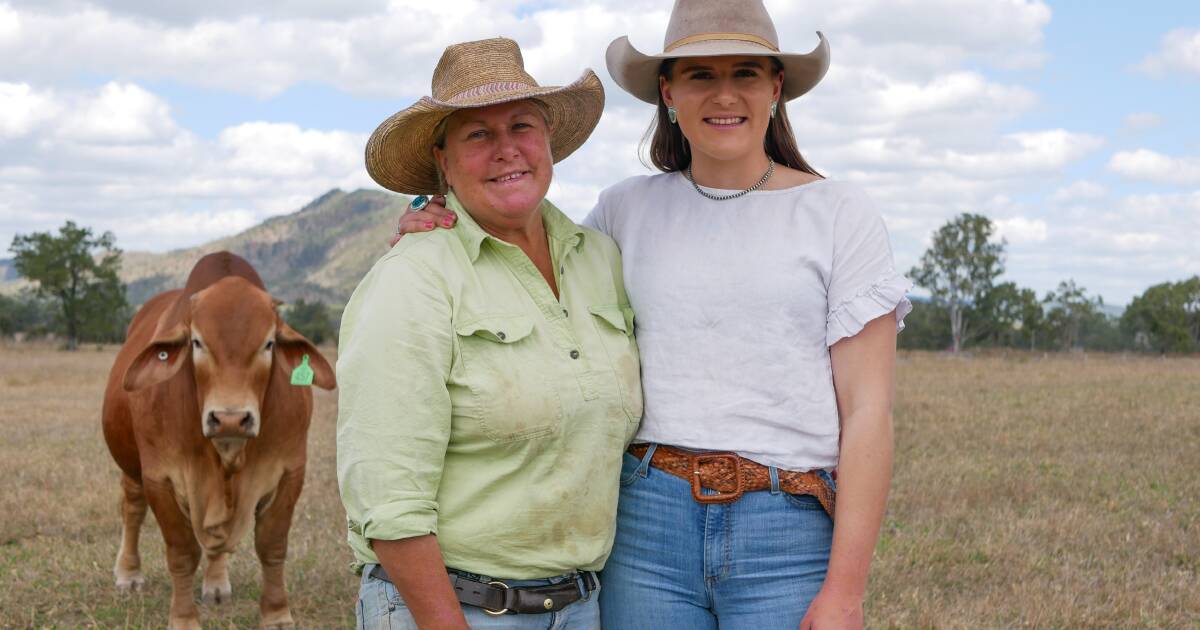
point(183, 555)
point(270, 541)
point(128, 569)
point(216, 589)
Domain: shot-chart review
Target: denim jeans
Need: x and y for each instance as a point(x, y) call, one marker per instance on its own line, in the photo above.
point(755, 564)
point(380, 607)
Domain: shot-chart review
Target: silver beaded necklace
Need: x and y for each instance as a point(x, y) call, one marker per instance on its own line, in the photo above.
point(765, 177)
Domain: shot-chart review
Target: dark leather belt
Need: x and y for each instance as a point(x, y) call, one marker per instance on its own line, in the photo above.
point(497, 598)
point(731, 476)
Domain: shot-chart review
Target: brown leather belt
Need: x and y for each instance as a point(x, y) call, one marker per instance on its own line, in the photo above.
point(731, 476)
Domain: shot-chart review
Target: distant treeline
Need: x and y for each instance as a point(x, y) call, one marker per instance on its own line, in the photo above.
point(968, 307)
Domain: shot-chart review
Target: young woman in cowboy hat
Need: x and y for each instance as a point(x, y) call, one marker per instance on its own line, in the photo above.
point(768, 306)
point(489, 377)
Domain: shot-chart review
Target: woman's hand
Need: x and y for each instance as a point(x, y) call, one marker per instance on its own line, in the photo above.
point(432, 216)
point(418, 572)
point(833, 611)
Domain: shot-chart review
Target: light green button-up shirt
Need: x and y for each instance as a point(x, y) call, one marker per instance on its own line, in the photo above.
point(475, 405)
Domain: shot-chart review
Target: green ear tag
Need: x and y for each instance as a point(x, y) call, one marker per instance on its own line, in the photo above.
point(302, 375)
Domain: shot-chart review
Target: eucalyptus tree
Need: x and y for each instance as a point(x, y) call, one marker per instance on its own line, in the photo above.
point(960, 268)
point(79, 272)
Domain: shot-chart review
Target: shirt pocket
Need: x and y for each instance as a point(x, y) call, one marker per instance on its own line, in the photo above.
point(614, 324)
point(506, 371)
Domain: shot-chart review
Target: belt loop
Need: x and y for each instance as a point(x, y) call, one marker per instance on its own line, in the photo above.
point(774, 473)
point(643, 469)
point(581, 582)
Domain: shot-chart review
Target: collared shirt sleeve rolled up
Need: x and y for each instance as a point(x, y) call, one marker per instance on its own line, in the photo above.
point(394, 415)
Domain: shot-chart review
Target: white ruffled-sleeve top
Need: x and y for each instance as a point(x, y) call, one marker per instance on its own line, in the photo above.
point(736, 305)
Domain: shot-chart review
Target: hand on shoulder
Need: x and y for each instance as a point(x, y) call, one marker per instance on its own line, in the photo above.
point(432, 216)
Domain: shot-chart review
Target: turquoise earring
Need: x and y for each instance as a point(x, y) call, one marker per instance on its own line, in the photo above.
point(774, 106)
point(671, 115)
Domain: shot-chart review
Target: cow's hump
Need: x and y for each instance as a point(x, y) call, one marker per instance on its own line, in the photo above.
point(218, 265)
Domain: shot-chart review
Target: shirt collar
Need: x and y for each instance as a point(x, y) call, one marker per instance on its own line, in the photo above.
point(558, 226)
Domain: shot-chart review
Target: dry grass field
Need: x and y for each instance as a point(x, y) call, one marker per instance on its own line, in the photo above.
point(1042, 492)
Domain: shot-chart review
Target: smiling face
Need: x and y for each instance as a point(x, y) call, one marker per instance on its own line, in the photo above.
point(723, 104)
point(497, 160)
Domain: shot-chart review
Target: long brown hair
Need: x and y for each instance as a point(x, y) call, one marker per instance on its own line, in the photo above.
point(669, 150)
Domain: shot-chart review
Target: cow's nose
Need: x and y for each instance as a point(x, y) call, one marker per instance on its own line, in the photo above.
point(229, 424)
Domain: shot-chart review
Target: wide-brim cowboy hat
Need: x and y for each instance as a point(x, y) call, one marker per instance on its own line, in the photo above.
point(715, 28)
point(477, 74)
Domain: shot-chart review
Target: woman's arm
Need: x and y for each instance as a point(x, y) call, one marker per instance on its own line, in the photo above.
point(863, 372)
point(416, 568)
point(394, 424)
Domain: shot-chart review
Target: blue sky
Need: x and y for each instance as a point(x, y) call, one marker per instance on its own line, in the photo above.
point(1070, 124)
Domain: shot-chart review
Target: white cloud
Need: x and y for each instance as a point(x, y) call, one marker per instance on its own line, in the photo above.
point(1081, 190)
point(209, 225)
point(1028, 152)
point(1134, 241)
point(1034, 152)
point(1179, 53)
point(10, 24)
point(1144, 164)
point(1018, 230)
point(372, 53)
point(113, 158)
point(286, 151)
point(1140, 121)
point(122, 113)
point(927, 34)
point(1162, 205)
point(957, 91)
point(22, 109)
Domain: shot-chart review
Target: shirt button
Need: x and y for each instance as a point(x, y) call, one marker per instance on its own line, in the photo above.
point(565, 314)
point(500, 335)
point(574, 354)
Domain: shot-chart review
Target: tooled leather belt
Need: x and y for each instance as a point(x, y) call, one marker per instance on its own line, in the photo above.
point(730, 476)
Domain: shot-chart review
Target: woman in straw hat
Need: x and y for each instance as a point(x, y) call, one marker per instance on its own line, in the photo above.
point(768, 306)
point(489, 377)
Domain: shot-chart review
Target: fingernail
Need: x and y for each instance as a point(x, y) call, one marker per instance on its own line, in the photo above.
point(447, 222)
point(429, 224)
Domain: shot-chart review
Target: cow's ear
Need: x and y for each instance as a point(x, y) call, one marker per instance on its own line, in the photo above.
point(291, 346)
point(160, 359)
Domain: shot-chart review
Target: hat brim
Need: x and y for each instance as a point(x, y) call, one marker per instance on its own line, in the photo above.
point(637, 73)
point(399, 154)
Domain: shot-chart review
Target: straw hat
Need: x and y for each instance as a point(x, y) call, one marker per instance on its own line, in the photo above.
point(476, 74)
point(714, 28)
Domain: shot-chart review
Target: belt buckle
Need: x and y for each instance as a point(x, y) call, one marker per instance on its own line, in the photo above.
point(502, 611)
point(720, 497)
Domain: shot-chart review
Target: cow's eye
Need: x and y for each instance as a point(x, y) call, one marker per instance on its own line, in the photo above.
point(269, 346)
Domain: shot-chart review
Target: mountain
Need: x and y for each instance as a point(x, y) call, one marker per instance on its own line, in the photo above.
point(319, 252)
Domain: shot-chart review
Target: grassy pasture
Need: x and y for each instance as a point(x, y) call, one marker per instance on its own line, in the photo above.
point(1057, 492)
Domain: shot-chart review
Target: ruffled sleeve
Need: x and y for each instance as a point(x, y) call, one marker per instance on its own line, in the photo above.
point(863, 281)
point(849, 317)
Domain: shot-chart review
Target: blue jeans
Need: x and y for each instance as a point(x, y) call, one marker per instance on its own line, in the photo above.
point(755, 564)
point(380, 607)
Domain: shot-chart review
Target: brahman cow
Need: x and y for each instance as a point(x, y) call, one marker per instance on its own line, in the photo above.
point(203, 418)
